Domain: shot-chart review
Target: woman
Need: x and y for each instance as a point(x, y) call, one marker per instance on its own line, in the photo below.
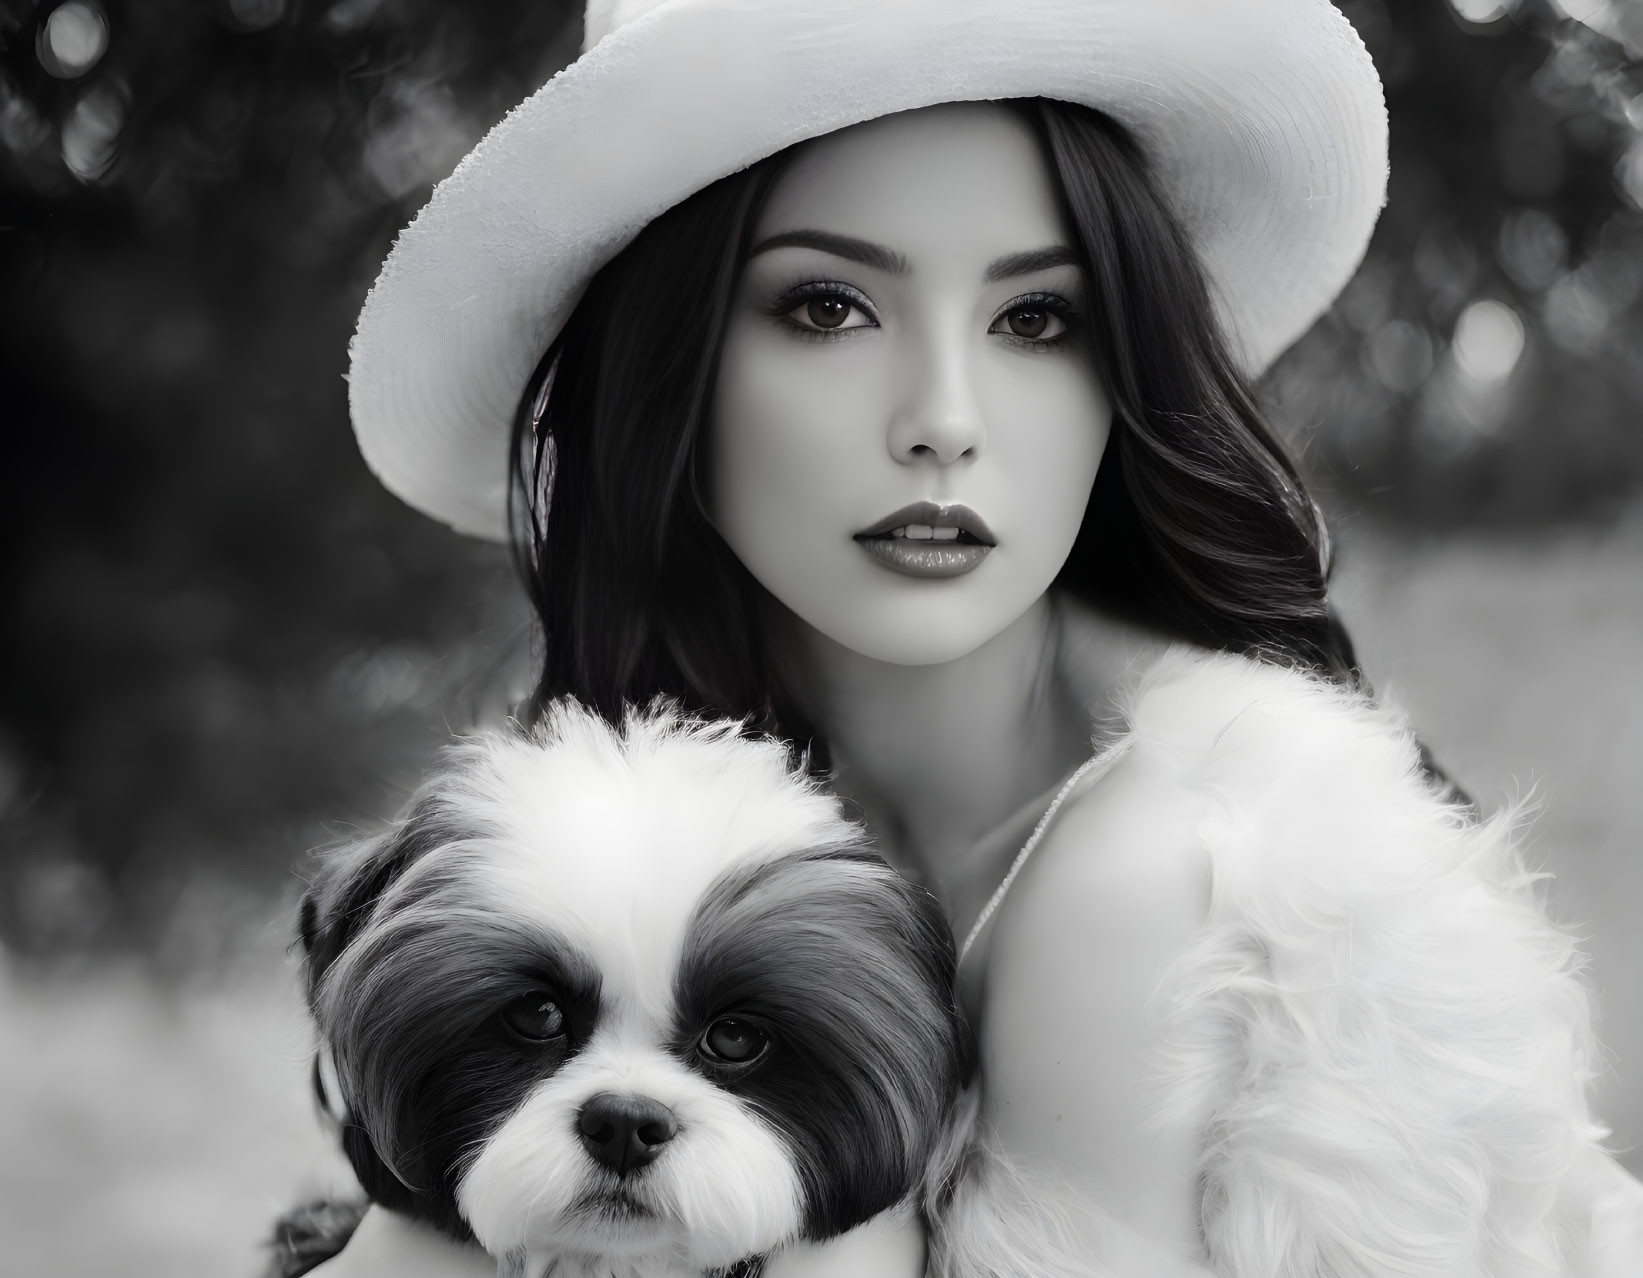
point(914, 441)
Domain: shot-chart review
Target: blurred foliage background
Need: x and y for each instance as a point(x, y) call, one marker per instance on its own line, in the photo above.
point(1485, 368)
point(222, 642)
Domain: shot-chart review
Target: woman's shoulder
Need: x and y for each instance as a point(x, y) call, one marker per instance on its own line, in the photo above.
point(1613, 1198)
point(1117, 889)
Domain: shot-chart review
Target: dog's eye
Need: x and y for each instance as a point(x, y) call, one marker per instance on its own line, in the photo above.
point(729, 1041)
point(534, 1016)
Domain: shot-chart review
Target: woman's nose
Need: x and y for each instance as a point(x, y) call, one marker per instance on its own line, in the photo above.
point(940, 416)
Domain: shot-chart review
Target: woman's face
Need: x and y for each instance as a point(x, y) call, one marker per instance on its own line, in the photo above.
point(907, 330)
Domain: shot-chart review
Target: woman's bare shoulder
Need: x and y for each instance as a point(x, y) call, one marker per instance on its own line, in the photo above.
point(1117, 872)
point(1117, 885)
point(1116, 890)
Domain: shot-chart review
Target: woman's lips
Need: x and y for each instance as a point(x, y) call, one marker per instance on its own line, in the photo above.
point(927, 540)
point(926, 514)
point(928, 558)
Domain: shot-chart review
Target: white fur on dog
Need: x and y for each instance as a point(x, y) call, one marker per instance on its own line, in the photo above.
point(609, 840)
point(606, 841)
point(725, 1185)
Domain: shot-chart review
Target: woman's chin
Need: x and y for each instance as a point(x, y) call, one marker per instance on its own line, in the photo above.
point(936, 627)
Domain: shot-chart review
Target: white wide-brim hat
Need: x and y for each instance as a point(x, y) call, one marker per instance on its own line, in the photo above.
point(1262, 120)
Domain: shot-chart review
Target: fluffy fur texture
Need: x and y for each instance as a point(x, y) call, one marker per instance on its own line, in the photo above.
point(1382, 1038)
point(648, 882)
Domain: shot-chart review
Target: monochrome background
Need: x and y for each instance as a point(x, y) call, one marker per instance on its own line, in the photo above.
point(222, 644)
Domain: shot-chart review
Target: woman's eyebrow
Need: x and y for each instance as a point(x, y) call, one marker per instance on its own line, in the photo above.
point(891, 262)
point(846, 246)
point(1040, 259)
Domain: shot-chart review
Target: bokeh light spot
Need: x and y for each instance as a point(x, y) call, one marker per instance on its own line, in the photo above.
point(1482, 11)
point(1399, 355)
point(350, 15)
point(72, 40)
point(420, 143)
point(1597, 14)
point(90, 132)
point(1577, 314)
point(1533, 248)
point(23, 130)
point(1629, 172)
point(1488, 340)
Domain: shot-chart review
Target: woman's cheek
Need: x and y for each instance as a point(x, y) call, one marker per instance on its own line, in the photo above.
point(1048, 427)
point(791, 446)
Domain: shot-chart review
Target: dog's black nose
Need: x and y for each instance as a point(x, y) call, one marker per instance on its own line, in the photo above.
point(624, 1133)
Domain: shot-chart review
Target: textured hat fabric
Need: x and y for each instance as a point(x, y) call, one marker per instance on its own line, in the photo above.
point(1263, 122)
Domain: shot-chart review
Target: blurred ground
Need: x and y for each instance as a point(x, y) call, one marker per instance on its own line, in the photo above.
point(155, 1131)
point(157, 1126)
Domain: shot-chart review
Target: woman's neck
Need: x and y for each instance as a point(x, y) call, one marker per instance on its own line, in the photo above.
point(938, 755)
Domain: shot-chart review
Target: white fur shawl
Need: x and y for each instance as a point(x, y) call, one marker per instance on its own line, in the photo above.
point(1385, 1041)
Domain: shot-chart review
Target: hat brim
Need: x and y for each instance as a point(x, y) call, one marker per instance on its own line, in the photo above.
point(1263, 122)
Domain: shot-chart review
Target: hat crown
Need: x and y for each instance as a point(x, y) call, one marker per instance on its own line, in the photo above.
point(604, 16)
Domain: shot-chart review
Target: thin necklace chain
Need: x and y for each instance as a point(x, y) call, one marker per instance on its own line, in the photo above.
point(1104, 759)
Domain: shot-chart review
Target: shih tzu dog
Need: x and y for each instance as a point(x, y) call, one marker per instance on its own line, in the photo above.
point(631, 1000)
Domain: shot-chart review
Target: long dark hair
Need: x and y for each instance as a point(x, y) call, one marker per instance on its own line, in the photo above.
point(1198, 524)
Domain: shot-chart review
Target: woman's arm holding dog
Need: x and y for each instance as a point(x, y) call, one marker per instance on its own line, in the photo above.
point(388, 1245)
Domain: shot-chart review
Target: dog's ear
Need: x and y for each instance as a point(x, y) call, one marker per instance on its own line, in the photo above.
point(343, 894)
point(348, 882)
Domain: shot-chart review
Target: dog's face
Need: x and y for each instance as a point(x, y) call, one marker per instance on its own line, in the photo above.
point(637, 994)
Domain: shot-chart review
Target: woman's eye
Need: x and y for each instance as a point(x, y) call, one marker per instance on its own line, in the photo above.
point(534, 1017)
point(729, 1041)
point(1032, 322)
point(828, 313)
